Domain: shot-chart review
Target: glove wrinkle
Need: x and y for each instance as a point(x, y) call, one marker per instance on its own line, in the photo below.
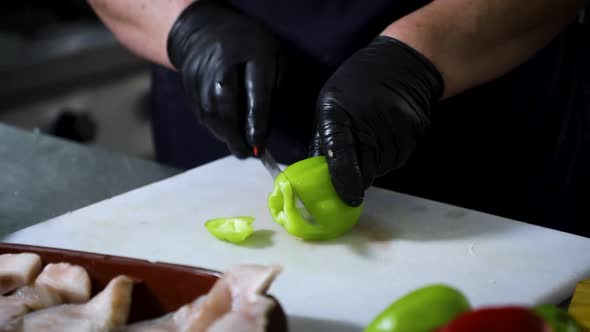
point(373, 112)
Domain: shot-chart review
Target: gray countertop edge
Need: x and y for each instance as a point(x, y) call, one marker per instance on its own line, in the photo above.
point(42, 177)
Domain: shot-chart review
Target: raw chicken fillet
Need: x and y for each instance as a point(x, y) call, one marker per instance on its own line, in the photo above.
point(106, 311)
point(57, 284)
point(235, 303)
point(58, 300)
point(17, 270)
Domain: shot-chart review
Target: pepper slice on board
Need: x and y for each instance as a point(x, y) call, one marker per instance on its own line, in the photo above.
point(422, 310)
point(323, 215)
point(232, 229)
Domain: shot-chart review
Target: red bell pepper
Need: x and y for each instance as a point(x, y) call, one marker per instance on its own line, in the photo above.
point(500, 319)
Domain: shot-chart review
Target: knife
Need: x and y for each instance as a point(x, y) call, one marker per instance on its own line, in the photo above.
point(273, 168)
point(269, 163)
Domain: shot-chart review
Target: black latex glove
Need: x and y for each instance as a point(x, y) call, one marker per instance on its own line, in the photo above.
point(372, 113)
point(229, 66)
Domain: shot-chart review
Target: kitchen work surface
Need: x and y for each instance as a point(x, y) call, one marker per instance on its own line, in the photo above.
point(42, 177)
point(401, 243)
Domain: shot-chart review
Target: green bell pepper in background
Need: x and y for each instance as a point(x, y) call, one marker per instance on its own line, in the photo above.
point(233, 229)
point(559, 319)
point(323, 215)
point(422, 310)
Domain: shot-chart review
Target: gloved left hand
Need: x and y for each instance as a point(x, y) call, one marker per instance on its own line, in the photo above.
point(372, 113)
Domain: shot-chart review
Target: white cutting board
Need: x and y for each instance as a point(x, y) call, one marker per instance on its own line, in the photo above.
point(401, 243)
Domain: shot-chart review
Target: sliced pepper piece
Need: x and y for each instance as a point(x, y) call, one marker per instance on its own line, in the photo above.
point(232, 229)
point(494, 319)
point(422, 310)
point(559, 319)
point(323, 215)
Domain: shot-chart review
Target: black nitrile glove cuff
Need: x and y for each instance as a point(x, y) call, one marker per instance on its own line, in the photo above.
point(433, 82)
point(192, 19)
point(372, 113)
point(423, 83)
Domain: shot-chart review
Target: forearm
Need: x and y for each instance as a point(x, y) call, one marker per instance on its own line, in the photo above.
point(141, 25)
point(473, 42)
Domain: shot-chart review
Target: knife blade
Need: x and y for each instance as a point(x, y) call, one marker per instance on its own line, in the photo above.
point(270, 164)
point(273, 168)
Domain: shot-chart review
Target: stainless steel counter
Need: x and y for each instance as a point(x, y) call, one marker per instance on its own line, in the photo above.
point(42, 177)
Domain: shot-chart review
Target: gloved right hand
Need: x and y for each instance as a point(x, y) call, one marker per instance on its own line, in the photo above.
point(229, 65)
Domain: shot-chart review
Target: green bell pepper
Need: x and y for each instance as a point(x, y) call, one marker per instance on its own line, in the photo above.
point(323, 215)
point(559, 319)
point(233, 229)
point(422, 310)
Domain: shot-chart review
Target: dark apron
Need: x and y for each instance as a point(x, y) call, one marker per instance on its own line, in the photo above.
point(516, 147)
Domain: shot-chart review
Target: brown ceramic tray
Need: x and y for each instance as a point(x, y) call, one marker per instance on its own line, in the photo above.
point(164, 287)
